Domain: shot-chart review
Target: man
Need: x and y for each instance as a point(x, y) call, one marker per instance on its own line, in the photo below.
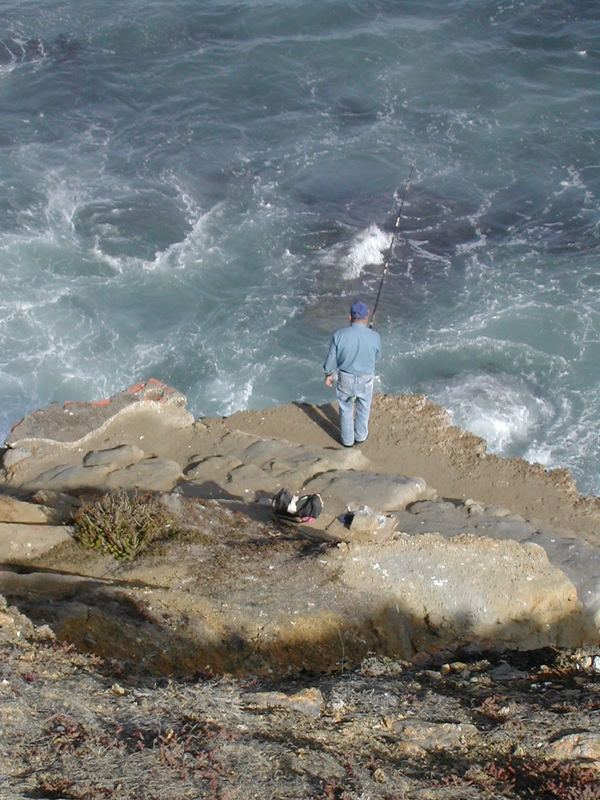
point(350, 362)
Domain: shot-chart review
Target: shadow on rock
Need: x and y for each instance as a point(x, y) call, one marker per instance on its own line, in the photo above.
point(159, 632)
point(324, 416)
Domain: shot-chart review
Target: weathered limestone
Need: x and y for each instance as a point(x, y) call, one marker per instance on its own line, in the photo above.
point(152, 474)
point(247, 466)
point(211, 468)
point(63, 505)
point(579, 560)
point(280, 457)
point(74, 422)
point(409, 572)
point(14, 510)
point(583, 746)
point(14, 456)
point(362, 524)
point(382, 492)
point(64, 478)
point(262, 611)
point(469, 588)
point(124, 455)
point(247, 480)
point(19, 543)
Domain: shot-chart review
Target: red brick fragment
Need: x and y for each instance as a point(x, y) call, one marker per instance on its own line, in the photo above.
point(101, 403)
point(136, 388)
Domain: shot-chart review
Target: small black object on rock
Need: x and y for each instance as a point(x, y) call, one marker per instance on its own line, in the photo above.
point(293, 509)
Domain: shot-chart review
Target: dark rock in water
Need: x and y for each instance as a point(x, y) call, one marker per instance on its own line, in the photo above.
point(64, 48)
point(354, 110)
point(14, 50)
point(439, 224)
point(351, 235)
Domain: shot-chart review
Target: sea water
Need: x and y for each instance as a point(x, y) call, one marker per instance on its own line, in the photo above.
point(197, 190)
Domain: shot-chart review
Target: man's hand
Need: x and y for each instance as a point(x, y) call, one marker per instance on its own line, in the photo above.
point(329, 381)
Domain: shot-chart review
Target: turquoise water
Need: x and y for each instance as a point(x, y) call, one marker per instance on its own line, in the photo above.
point(196, 191)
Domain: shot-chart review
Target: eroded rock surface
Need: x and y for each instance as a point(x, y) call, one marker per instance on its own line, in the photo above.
point(241, 596)
point(14, 510)
point(237, 593)
point(20, 543)
point(72, 423)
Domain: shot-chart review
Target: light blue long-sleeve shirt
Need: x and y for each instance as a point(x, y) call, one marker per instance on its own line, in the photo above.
point(353, 349)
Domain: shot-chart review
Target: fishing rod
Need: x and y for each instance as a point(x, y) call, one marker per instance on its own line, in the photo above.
point(386, 260)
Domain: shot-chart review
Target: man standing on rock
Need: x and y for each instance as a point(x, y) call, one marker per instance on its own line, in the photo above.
point(350, 362)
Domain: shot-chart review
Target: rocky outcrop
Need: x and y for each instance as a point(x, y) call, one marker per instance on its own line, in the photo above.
point(470, 589)
point(14, 510)
point(149, 474)
point(237, 596)
point(20, 543)
point(583, 746)
point(383, 492)
point(248, 466)
point(395, 570)
point(73, 726)
point(72, 423)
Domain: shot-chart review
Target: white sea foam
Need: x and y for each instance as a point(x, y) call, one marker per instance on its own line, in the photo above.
point(367, 248)
point(63, 199)
point(539, 455)
point(502, 409)
point(191, 248)
point(230, 394)
point(112, 267)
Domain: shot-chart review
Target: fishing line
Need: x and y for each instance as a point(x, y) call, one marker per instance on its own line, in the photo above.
point(386, 260)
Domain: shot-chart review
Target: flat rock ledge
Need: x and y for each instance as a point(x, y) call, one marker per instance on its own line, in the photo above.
point(388, 568)
point(72, 422)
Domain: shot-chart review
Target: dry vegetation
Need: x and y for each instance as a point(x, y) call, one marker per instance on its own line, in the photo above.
point(122, 524)
point(77, 728)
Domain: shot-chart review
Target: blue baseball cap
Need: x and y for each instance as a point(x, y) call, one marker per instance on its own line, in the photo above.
point(359, 310)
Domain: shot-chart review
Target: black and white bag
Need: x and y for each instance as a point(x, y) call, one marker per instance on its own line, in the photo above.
point(288, 507)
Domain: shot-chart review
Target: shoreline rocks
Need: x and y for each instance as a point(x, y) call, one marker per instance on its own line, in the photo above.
point(239, 594)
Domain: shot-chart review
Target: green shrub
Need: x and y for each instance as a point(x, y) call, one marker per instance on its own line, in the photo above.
point(122, 525)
